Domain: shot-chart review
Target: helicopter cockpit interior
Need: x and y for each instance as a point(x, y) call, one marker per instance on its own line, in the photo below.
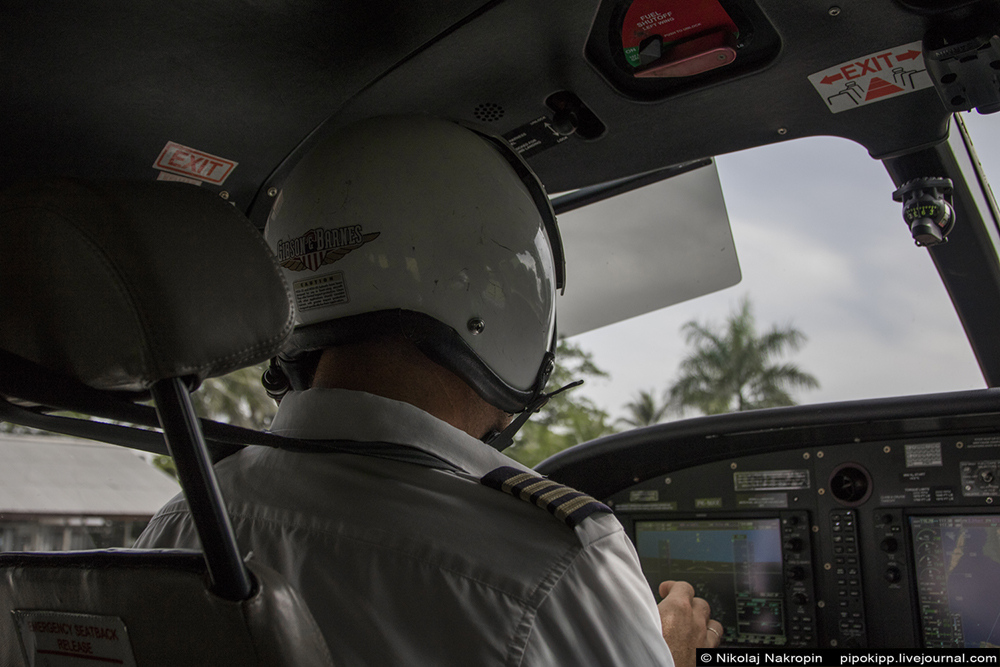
point(860, 524)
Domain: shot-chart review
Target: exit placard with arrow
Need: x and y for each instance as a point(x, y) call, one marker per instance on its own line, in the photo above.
point(872, 78)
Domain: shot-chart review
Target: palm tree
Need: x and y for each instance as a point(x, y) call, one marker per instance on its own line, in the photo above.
point(735, 369)
point(569, 418)
point(645, 410)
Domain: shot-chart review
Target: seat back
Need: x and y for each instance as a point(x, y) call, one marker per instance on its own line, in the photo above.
point(121, 291)
point(149, 609)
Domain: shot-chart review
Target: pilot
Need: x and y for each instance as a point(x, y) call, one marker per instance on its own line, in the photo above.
point(424, 260)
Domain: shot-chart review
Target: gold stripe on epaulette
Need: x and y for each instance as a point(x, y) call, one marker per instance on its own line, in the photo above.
point(565, 503)
point(517, 479)
point(554, 494)
point(568, 508)
point(527, 491)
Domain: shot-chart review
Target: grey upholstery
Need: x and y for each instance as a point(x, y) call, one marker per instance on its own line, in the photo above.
point(170, 618)
point(122, 284)
point(136, 286)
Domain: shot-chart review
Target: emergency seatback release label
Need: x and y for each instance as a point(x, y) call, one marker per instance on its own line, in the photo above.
point(872, 78)
point(60, 639)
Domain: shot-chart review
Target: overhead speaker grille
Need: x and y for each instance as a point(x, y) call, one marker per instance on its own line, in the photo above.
point(488, 112)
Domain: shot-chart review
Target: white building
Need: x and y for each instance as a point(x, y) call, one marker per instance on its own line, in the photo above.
point(58, 494)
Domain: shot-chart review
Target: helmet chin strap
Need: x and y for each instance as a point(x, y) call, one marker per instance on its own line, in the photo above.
point(501, 440)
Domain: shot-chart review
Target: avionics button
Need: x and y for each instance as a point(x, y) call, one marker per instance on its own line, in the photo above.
point(852, 561)
point(838, 550)
point(840, 560)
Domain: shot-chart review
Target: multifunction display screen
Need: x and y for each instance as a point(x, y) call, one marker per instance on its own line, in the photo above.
point(734, 564)
point(958, 579)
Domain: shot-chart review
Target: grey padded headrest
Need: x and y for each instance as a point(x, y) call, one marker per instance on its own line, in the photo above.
point(122, 284)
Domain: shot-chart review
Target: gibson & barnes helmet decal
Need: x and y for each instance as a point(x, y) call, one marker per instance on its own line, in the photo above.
point(320, 246)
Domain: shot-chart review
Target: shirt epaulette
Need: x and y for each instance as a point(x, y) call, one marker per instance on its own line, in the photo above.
point(566, 504)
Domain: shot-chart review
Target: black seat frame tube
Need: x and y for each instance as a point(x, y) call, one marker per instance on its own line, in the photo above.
point(182, 431)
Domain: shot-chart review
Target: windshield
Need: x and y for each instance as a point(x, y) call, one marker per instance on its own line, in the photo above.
point(822, 247)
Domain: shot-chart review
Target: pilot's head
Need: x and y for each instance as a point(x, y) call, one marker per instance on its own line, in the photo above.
point(421, 228)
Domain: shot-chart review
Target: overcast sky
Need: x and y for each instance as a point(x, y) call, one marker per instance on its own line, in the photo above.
point(822, 246)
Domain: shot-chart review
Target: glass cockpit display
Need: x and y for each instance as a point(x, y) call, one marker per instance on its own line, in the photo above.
point(958, 579)
point(734, 564)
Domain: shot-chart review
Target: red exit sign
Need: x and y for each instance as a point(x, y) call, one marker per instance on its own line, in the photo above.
point(185, 161)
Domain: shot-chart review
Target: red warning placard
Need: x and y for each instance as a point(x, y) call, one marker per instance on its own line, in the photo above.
point(185, 161)
point(673, 20)
point(872, 78)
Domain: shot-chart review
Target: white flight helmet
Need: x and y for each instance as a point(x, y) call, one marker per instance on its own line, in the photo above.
point(420, 226)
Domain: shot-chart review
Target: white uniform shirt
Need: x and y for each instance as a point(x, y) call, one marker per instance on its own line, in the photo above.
point(406, 564)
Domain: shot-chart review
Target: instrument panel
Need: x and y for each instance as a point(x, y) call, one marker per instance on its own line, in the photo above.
point(868, 533)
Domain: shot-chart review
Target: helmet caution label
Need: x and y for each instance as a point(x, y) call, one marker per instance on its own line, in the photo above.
point(320, 291)
point(320, 246)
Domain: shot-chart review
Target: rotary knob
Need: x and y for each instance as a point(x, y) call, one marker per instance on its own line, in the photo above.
point(889, 545)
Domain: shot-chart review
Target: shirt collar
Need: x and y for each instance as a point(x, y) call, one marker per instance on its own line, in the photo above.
point(340, 414)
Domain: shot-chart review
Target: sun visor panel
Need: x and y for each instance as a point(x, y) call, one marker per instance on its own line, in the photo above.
point(645, 250)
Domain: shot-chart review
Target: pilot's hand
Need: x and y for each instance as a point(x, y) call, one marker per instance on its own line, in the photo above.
point(686, 622)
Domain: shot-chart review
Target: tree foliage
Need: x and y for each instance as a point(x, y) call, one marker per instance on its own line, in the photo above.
point(734, 368)
point(645, 409)
point(237, 398)
point(569, 418)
